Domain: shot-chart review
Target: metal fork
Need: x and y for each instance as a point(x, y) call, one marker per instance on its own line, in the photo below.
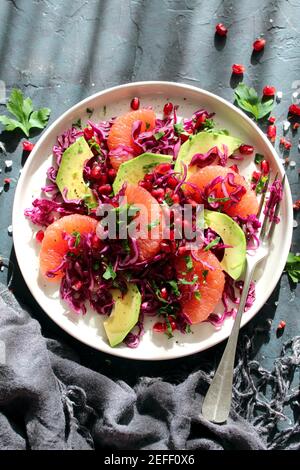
point(217, 402)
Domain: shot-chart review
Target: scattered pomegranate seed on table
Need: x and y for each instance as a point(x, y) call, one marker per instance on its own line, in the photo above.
point(296, 126)
point(259, 44)
point(27, 146)
point(168, 108)
point(135, 103)
point(7, 181)
point(269, 90)
point(221, 29)
point(245, 149)
point(238, 69)
point(271, 132)
point(294, 109)
point(281, 326)
point(287, 145)
point(272, 119)
point(296, 205)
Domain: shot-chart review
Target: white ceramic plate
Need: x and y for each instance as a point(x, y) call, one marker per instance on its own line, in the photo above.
point(88, 328)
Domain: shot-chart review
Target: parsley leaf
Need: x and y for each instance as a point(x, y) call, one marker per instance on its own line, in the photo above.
point(77, 238)
point(292, 267)
point(22, 110)
point(189, 283)
point(247, 99)
point(212, 243)
point(174, 287)
point(188, 262)
point(197, 295)
point(258, 158)
point(109, 272)
point(178, 128)
point(261, 184)
point(159, 135)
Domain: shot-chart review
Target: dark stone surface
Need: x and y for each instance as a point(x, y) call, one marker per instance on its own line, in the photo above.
point(59, 52)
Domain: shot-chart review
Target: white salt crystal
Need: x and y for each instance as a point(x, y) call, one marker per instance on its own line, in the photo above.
point(9, 229)
point(8, 163)
point(1, 189)
point(295, 224)
point(295, 96)
point(286, 125)
point(292, 164)
point(279, 95)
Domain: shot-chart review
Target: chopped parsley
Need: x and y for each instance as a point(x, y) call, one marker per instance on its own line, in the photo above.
point(189, 283)
point(77, 238)
point(258, 158)
point(174, 287)
point(197, 295)
point(217, 199)
point(178, 128)
point(212, 243)
point(77, 124)
point(109, 273)
point(261, 184)
point(159, 135)
point(188, 262)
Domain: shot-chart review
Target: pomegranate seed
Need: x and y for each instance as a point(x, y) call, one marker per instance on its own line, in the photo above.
point(39, 236)
point(287, 145)
point(27, 146)
point(282, 141)
point(96, 172)
point(77, 285)
point(281, 325)
point(135, 103)
point(259, 44)
point(184, 137)
point(96, 242)
point(296, 205)
point(175, 198)
point(182, 250)
point(168, 108)
point(172, 322)
point(7, 180)
point(163, 168)
point(172, 182)
point(221, 29)
point(272, 119)
point(164, 246)
point(271, 132)
point(256, 175)
point(149, 177)
point(296, 125)
point(269, 90)
point(265, 167)
point(164, 293)
point(146, 185)
point(88, 133)
point(159, 327)
point(238, 69)
point(234, 168)
point(159, 192)
point(246, 149)
point(105, 189)
point(112, 174)
point(294, 109)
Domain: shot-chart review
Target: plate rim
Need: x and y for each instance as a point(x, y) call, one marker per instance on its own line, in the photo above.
point(174, 85)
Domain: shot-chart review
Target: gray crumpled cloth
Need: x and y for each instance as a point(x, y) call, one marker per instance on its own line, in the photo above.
point(49, 401)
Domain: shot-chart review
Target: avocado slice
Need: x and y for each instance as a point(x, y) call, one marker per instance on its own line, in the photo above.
point(70, 173)
point(135, 169)
point(124, 315)
point(231, 233)
point(202, 143)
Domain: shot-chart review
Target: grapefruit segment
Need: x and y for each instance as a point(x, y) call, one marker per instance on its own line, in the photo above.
point(246, 206)
point(151, 232)
point(197, 308)
point(120, 134)
point(54, 247)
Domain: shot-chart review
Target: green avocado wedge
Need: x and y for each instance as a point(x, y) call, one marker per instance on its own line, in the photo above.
point(70, 173)
point(202, 143)
point(231, 233)
point(124, 315)
point(135, 169)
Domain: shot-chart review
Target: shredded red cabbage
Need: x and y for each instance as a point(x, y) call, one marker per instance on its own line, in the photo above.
point(275, 196)
point(205, 159)
point(250, 226)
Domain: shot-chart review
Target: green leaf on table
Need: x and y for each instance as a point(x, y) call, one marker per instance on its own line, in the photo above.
point(22, 110)
point(292, 267)
point(247, 99)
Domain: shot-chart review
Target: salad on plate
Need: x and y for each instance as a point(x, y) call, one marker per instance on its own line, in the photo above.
point(148, 215)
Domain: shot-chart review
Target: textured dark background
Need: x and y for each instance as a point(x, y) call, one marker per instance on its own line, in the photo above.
point(59, 52)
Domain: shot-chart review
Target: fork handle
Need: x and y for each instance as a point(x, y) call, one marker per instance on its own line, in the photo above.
point(217, 402)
